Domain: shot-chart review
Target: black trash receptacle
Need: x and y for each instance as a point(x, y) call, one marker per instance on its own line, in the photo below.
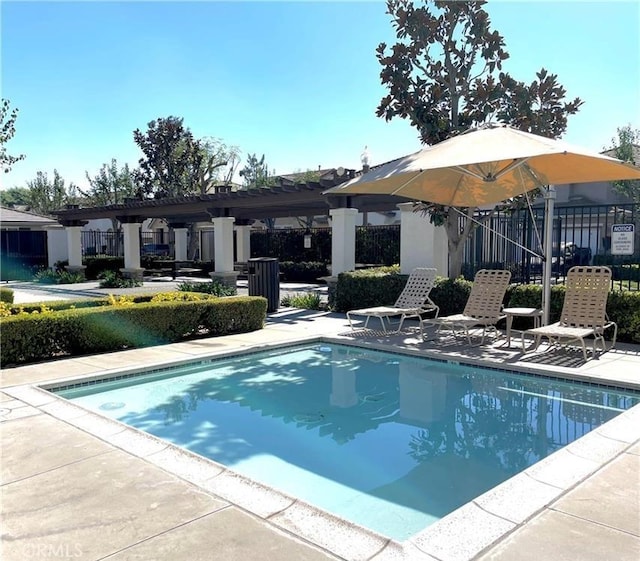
point(264, 280)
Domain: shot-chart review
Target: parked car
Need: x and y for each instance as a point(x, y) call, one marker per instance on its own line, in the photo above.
point(569, 256)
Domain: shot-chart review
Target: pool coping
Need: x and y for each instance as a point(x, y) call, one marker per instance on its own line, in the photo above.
point(461, 535)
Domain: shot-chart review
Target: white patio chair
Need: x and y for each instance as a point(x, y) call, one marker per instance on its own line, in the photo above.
point(584, 312)
point(483, 307)
point(412, 303)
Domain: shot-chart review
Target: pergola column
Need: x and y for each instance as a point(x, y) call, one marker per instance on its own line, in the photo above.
point(131, 231)
point(343, 240)
point(421, 243)
point(74, 246)
point(243, 241)
point(223, 250)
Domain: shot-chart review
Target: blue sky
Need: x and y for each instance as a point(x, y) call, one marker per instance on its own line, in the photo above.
point(298, 82)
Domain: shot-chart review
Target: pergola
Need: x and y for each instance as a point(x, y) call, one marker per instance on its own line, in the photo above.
point(225, 209)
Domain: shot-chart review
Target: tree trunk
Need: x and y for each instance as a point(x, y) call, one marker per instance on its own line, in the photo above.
point(193, 252)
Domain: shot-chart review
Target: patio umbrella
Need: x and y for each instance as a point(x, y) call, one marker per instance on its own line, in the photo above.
point(486, 166)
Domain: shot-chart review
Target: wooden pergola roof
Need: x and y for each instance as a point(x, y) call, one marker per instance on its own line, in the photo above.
point(285, 200)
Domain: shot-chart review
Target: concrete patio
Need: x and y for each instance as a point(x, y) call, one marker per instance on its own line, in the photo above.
point(76, 485)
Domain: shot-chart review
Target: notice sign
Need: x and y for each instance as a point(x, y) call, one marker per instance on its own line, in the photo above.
point(622, 239)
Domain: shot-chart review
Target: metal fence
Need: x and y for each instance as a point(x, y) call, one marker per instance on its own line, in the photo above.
point(21, 253)
point(581, 236)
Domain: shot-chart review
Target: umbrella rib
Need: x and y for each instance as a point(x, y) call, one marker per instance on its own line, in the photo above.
point(496, 232)
point(408, 181)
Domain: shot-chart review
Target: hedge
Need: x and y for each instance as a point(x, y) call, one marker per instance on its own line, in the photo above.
point(6, 295)
point(75, 331)
point(304, 271)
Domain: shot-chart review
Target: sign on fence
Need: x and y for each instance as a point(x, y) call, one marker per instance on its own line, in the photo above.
point(622, 236)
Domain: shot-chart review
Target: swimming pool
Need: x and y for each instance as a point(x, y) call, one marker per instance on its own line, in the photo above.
point(370, 436)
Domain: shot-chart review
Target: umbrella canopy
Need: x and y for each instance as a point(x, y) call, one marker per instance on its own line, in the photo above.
point(486, 166)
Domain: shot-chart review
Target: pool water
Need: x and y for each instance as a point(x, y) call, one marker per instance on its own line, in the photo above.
point(391, 442)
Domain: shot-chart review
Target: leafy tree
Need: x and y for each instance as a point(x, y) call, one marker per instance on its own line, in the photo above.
point(171, 159)
point(15, 196)
point(111, 185)
point(627, 148)
point(256, 173)
point(219, 164)
point(46, 195)
point(7, 130)
point(444, 76)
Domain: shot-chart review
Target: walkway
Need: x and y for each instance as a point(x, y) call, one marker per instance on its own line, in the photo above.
point(76, 485)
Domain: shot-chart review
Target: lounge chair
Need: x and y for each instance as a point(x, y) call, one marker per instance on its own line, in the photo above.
point(583, 312)
point(483, 307)
point(412, 303)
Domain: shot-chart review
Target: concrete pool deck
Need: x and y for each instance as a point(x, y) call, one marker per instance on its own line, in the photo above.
point(75, 485)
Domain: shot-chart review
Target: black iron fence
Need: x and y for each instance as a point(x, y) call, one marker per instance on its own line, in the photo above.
point(22, 252)
point(582, 235)
point(377, 245)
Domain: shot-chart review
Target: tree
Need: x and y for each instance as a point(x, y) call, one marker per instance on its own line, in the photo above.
point(171, 159)
point(256, 173)
point(111, 185)
point(7, 130)
point(15, 196)
point(444, 76)
point(46, 196)
point(627, 148)
point(219, 164)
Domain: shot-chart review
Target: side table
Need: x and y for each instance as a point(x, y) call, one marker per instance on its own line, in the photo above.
point(535, 313)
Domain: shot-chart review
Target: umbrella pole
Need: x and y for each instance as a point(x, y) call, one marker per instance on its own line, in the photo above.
point(549, 202)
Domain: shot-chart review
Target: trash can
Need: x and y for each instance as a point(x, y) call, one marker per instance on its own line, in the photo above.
point(264, 280)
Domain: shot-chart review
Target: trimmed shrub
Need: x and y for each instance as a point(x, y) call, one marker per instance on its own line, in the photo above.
point(6, 295)
point(368, 287)
point(97, 265)
point(623, 307)
point(214, 287)
point(304, 271)
point(74, 331)
point(451, 295)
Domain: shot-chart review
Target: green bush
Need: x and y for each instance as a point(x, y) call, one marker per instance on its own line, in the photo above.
point(74, 331)
point(623, 307)
point(303, 271)
point(51, 276)
point(450, 295)
point(380, 286)
point(112, 279)
point(97, 265)
point(6, 295)
point(308, 301)
point(214, 287)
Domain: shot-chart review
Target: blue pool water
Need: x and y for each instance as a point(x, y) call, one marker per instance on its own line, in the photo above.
point(391, 442)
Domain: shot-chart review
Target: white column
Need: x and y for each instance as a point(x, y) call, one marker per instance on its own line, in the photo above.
point(180, 243)
point(243, 243)
point(343, 240)
point(343, 383)
point(223, 244)
point(74, 246)
point(131, 232)
point(421, 243)
point(57, 249)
